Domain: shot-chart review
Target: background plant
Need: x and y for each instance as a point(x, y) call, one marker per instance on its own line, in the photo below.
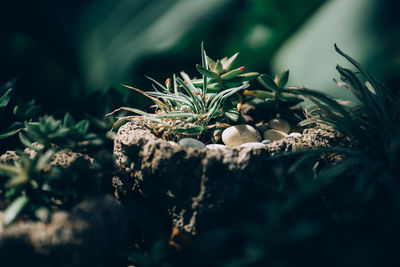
point(64, 133)
point(34, 187)
point(372, 127)
point(21, 112)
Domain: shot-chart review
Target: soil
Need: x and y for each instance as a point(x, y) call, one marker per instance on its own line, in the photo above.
point(199, 188)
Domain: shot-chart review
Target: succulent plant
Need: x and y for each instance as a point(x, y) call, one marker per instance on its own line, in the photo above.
point(34, 186)
point(199, 106)
point(64, 133)
point(274, 90)
point(22, 112)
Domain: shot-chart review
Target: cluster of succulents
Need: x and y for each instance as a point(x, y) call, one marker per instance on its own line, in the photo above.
point(196, 107)
point(38, 182)
point(203, 108)
point(50, 174)
point(64, 133)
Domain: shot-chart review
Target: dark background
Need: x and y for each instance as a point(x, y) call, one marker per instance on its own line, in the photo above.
point(62, 51)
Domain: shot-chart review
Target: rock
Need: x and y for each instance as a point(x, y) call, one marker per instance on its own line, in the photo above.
point(216, 146)
point(191, 142)
point(280, 125)
point(266, 141)
point(295, 134)
point(253, 145)
point(197, 190)
point(273, 134)
point(240, 134)
point(93, 234)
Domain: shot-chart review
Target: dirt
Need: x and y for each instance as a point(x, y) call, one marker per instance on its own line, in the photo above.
point(199, 188)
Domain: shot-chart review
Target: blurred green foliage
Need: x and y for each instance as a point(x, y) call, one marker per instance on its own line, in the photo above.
point(61, 51)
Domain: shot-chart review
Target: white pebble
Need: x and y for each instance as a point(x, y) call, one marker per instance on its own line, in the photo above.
point(273, 135)
point(215, 146)
point(280, 125)
point(240, 134)
point(295, 134)
point(253, 145)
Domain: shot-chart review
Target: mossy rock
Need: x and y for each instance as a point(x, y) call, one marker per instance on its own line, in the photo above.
point(200, 189)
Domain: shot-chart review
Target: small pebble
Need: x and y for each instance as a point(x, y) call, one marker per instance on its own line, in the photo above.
point(294, 134)
point(240, 134)
point(216, 146)
point(191, 142)
point(253, 145)
point(280, 125)
point(266, 141)
point(273, 135)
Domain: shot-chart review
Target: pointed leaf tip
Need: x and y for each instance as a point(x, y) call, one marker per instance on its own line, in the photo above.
point(282, 79)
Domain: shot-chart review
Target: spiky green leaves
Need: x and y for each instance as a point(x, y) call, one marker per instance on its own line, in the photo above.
point(193, 106)
point(22, 112)
point(38, 183)
point(377, 116)
point(65, 133)
point(221, 74)
point(274, 89)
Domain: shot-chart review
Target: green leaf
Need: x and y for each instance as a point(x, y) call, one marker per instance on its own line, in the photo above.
point(232, 113)
point(376, 84)
point(31, 112)
point(218, 68)
point(194, 100)
point(68, 120)
point(82, 126)
point(206, 72)
point(158, 84)
point(224, 60)
point(177, 115)
point(230, 62)
point(26, 142)
point(282, 79)
point(204, 65)
point(289, 97)
point(267, 82)
point(213, 86)
point(211, 63)
point(245, 77)
point(11, 132)
point(231, 74)
point(259, 94)
point(204, 62)
point(191, 130)
point(43, 160)
point(14, 209)
point(5, 98)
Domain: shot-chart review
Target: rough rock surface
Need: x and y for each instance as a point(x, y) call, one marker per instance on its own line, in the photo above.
point(199, 188)
point(93, 234)
point(63, 157)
